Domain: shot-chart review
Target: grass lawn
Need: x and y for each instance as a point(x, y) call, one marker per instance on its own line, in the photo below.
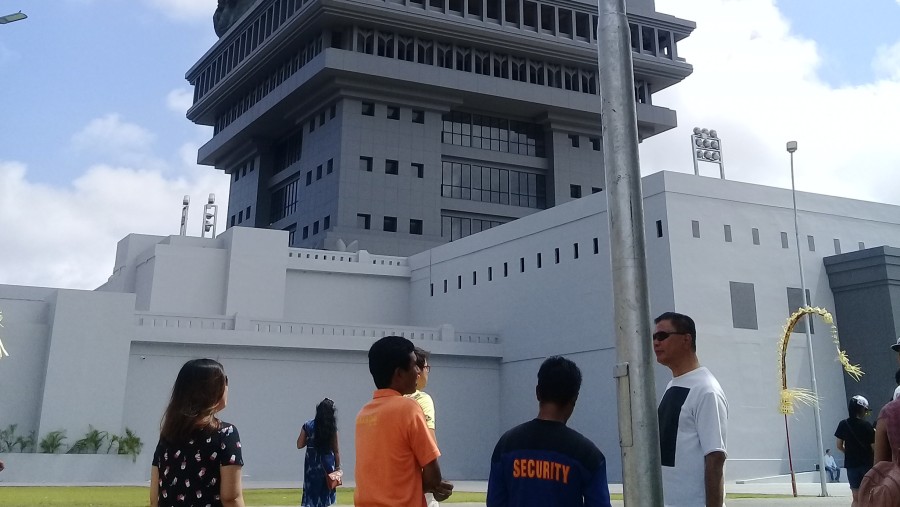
point(137, 496)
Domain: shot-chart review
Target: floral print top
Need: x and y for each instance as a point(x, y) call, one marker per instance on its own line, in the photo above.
point(189, 472)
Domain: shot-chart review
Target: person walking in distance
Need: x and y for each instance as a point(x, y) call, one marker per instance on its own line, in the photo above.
point(543, 462)
point(834, 471)
point(693, 416)
point(426, 402)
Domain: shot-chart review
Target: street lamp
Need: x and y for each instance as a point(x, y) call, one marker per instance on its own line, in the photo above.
point(707, 147)
point(791, 148)
point(210, 212)
point(9, 18)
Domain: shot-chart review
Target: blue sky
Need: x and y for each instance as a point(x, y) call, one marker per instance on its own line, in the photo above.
point(94, 143)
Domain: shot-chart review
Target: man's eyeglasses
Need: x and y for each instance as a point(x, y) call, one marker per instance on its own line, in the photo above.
point(426, 368)
point(662, 335)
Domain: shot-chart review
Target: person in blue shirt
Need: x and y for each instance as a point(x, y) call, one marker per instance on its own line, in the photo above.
point(544, 462)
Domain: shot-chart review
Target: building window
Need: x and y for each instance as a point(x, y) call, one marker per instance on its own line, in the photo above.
point(490, 274)
point(418, 116)
point(575, 191)
point(393, 113)
point(755, 233)
point(862, 246)
point(695, 228)
point(365, 164)
point(319, 172)
point(521, 264)
point(247, 213)
point(445, 286)
point(795, 301)
point(492, 133)
point(240, 216)
point(363, 221)
point(489, 184)
point(284, 200)
point(837, 246)
point(556, 255)
point(743, 305)
point(322, 118)
point(390, 224)
point(418, 170)
point(459, 281)
point(332, 111)
point(574, 140)
point(596, 246)
point(415, 226)
point(326, 223)
point(309, 178)
point(312, 125)
point(575, 250)
point(505, 269)
point(659, 229)
point(596, 190)
point(391, 167)
point(233, 218)
point(784, 240)
point(368, 109)
point(474, 277)
point(811, 241)
point(305, 231)
point(315, 227)
point(453, 228)
point(291, 230)
point(539, 260)
point(728, 234)
point(596, 144)
point(329, 168)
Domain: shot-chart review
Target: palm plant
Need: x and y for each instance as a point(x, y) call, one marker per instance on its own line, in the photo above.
point(25, 444)
point(90, 443)
point(130, 444)
point(8, 438)
point(52, 442)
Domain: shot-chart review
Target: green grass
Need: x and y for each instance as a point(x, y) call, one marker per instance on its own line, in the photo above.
point(113, 496)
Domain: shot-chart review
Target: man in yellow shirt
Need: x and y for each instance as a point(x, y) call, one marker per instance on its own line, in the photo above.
point(396, 454)
point(424, 400)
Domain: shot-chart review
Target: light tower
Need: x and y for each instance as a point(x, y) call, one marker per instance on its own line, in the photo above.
point(707, 147)
point(210, 212)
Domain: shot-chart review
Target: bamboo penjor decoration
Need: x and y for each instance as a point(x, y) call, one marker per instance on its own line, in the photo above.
point(3, 351)
point(789, 396)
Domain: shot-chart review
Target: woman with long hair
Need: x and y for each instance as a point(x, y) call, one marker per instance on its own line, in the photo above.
point(323, 456)
point(198, 458)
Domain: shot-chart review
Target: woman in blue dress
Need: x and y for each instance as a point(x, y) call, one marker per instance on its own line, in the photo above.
point(320, 437)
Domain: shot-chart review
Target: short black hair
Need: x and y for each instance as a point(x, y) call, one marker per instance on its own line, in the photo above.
point(897, 377)
point(422, 356)
point(385, 356)
point(682, 324)
point(559, 381)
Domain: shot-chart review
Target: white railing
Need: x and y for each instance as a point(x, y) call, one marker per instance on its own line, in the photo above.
point(412, 333)
point(184, 322)
point(361, 257)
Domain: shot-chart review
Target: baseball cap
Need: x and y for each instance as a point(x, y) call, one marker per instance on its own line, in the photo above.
point(861, 401)
point(896, 347)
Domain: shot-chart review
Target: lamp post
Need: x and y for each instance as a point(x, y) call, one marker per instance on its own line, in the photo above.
point(185, 205)
point(210, 215)
point(9, 18)
point(707, 147)
point(791, 148)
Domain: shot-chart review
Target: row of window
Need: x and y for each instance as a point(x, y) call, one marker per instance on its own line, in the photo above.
point(392, 167)
point(521, 265)
point(320, 118)
point(240, 216)
point(393, 112)
point(490, 184)
point(596, 143)
point(242, 170)
point(575, 191)
point(326, 224)
point(454, 227)
point(492, 133)
point(389, 224)
point(743, 306)
point(269, 82)
point(754, 235)
point(286, 198)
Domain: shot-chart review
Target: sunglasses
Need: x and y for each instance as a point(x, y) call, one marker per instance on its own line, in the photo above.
point(662, 335)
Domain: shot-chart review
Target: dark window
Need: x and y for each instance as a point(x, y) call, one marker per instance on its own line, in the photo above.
point(862, 246)
point(368, 109)
point(574, 140)
point(322, 118)
point(596, 190)
point(309, 178)
point(755, 233)
point(575, 191)
point(556, 255)
point(390, 224)
point(695, 228)
point(329, 168)
point(326, 223)
point(305, 231)
point(596, 144)
point(743, 305)
point(811, 241)
point(490, 274)
point(233, 218)
point(312, 125)
point(728, 234)
point(575, 250)
point(363, 221)
point(391, 167)
point(492, 133)
point(415, 226)
point(795, 301)
point(494, 185)
point(659, 229)
point(521, 264)
point(474, 277)
point(445, 286)
point(240, 216)
point(365, 164)
point(784, 240)
point(418, 116)
point(319, 172)
point(315, 227)
point(393, 113)
point(837, 246)
point(418, 169)
point(596, 246)
point(459, 281)
point(505, 269)
point(539, 261)
point(432, 289)
point(332, 111)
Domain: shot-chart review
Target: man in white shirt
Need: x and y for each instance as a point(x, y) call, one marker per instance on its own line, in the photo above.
point(834, 472)
point(693, 415)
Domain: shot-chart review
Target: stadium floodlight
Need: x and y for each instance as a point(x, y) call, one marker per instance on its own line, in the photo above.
point(707, 147)
point(210, 212)
point(9, 18)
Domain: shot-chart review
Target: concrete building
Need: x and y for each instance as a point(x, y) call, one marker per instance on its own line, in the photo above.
point(292, 326)
point(404, 124)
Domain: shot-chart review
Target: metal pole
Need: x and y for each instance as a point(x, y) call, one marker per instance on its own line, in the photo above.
point(809, 343)
point(638, 425)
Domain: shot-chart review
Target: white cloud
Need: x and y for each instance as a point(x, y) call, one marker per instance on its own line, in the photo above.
point(887, 61)
point(110, 135)
point(66, 236)
point(185, 10)
point(180, 100)
point(756, 83)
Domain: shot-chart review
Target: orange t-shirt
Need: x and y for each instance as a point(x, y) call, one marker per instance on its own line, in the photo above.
point(393, 444)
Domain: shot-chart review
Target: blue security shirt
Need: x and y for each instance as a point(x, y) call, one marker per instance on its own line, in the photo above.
point(545, 463)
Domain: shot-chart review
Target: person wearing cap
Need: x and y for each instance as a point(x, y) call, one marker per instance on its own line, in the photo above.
point(896, 348)
point(856, 439)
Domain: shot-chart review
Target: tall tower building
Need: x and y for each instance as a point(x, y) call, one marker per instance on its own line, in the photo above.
point(403, 124)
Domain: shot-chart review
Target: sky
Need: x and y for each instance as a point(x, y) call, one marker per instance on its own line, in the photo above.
point(94, 143)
